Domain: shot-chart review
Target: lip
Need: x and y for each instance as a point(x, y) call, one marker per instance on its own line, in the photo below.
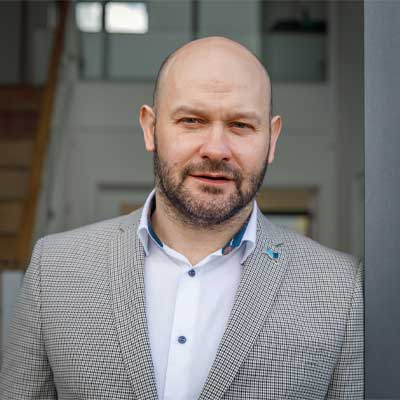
point(212, 179)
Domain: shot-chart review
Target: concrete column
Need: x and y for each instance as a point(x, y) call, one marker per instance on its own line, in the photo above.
point(382, 199)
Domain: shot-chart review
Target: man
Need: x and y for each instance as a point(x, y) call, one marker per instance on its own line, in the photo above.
point(196, 295)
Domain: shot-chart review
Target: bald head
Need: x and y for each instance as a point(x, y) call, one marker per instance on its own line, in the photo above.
point(211, 116)
point(215, 56)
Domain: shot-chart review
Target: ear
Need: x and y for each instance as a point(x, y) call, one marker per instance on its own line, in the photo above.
point(147, 122)
point(276, 125)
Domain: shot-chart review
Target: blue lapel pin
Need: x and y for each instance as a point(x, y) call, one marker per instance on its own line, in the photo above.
point(273, 255)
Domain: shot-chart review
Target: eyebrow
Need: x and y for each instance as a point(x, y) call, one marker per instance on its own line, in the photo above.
point(249, 115)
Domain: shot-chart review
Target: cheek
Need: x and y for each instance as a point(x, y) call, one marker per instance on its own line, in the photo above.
point(251, 155)
point(177, 151)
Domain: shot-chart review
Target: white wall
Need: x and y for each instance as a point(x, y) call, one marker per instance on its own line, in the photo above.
point(306, 149)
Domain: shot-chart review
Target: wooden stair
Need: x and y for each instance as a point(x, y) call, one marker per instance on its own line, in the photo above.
point(25, 122)
point(19, 114)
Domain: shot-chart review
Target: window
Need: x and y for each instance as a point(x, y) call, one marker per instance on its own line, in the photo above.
point(128, 40)
point(88, 17)
point(120, 17)
point(127, 18)
point(125, 40)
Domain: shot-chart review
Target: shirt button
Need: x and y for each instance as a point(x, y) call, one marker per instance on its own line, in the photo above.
point(192, 272)
point(181, 339)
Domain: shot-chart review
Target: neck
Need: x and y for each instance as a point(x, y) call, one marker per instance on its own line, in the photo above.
point(194, 242)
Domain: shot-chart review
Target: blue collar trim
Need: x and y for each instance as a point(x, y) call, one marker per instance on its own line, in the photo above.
point(235, 241)
point(153, 234)
point(230, 245)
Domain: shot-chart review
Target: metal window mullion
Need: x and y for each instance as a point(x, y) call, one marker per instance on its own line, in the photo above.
point(106, 43)
point(195, 19)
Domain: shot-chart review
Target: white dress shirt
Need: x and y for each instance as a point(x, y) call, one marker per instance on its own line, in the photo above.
point(188, 306)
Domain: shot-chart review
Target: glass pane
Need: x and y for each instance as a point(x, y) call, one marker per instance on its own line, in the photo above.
point(295, 56)
point(127, 18)
point(294, 40)
point(88, 16)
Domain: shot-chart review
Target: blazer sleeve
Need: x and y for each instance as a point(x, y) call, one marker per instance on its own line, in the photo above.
point(26, 373)
point(348, 377)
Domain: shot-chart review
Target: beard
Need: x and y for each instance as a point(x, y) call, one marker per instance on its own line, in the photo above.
point(200, 213)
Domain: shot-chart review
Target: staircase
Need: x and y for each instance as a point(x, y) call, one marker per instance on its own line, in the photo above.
point(19, 114)
point(25, 121)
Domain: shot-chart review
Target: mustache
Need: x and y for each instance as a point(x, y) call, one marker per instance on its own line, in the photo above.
point(214, 166)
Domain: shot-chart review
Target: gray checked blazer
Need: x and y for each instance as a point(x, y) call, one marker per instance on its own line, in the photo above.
point(80, 331)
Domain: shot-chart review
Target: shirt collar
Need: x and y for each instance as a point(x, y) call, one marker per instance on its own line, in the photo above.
point(143, 230)
point(249, 236)
point(246, 235)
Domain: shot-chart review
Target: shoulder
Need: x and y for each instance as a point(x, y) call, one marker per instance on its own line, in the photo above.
point(311, 258)
point(87, 241)
point(317, 277)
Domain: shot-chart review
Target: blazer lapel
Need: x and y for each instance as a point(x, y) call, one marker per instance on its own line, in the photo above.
point(128, 298)
point(263, 272)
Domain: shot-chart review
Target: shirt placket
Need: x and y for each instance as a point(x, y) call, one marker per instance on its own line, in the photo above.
point(181, 348)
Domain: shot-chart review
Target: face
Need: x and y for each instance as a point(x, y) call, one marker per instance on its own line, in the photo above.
point(211, 138)
point(211, 179)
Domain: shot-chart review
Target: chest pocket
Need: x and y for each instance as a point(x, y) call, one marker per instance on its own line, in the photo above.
point(285, 364)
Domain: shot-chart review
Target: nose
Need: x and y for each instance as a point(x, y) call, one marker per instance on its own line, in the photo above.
point(215, 145)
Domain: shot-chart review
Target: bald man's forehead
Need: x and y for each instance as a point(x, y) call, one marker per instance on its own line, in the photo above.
point(216, 80)
point(220, 50)
point(219, 44)
point(214, 62)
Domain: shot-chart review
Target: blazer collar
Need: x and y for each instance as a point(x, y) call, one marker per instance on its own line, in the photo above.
point(128, 299)
point(262, 275)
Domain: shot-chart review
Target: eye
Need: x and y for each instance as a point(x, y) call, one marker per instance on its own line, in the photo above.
point(190, 120)
point(240, 125)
